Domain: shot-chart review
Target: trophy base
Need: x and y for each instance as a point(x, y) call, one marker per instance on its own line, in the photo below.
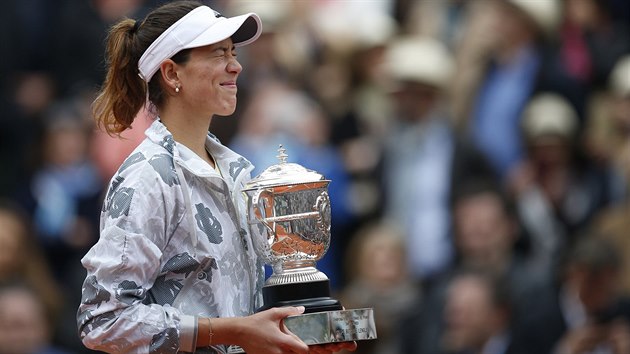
point(330, 327)
point(314, 296)
point(333, 326)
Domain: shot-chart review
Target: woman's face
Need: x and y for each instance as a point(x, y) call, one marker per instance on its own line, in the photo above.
point(208, 79)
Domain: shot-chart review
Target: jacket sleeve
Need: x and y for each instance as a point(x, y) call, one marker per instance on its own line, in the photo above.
point(141, 211)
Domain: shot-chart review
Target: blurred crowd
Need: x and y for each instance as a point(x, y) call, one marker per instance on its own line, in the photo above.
point(479, 152)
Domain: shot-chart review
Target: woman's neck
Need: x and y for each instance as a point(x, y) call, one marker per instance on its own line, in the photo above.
point(188, 130)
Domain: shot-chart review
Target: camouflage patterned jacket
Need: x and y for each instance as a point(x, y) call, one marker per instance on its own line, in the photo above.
point(174, 245)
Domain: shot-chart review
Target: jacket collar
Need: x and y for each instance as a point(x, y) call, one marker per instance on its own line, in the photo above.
point(232, 165)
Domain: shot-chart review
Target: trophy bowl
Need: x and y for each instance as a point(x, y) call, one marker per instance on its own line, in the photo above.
point(289, 216)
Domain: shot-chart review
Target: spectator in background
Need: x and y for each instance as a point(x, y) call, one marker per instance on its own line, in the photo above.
point(472, 51)
point(510, 48)
point(25, 325)
point(442, 20)
point(423, 155)
point(354, 44)
point(362, 123)
point(20, 255)
point(63, 194)
point(379, 278)
point(63, 199)
point(608, 137)
point(585, 312)
point(22, 261)
point(73, 69)
point(478, 316)
point(350, 80)
point(486, 230)
point(620, 90)
point(614, 149)
point(556, 191)
point(23, 115)
point(590, 41)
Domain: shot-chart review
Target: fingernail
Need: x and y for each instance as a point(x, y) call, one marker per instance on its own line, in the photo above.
point(301, 308)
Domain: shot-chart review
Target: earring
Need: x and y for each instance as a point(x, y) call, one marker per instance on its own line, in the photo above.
point(177, 89)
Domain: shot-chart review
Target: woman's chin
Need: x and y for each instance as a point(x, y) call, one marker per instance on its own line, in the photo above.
point(227, 110)
point(225, 114)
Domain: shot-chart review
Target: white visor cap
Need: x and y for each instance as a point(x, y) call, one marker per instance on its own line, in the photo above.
point(200, 27)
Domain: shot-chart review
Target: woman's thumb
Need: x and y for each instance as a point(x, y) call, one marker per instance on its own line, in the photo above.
point(292, 310)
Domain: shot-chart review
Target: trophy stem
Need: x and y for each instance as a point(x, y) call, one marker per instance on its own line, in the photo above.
point(299, 283)
point(295, 265)
point(313, 295)
point(289, 272)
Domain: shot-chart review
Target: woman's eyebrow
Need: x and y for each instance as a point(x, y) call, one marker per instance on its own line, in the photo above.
point(226, 48)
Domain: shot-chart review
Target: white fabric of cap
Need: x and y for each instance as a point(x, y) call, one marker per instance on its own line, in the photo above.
point(200, 27)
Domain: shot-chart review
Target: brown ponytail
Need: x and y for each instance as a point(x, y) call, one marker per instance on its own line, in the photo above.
point(124, 93)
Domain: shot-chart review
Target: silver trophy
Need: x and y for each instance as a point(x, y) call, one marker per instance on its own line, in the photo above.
point(288, 211)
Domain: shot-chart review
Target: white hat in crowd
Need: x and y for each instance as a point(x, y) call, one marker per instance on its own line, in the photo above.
point(420, 59)
point(620, 77)
point(271, 12)
point(346, 31)
point(546, 14)
point(549, 114)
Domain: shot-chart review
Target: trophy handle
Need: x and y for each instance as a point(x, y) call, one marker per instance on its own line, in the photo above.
point(322, 207)
point(258, 203)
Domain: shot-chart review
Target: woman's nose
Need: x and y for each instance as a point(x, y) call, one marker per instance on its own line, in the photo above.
point(234, 66)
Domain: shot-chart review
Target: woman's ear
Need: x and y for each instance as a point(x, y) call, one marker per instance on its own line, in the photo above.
point(168, 70)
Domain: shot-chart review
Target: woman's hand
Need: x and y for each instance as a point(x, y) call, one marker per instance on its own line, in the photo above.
point(265, 333)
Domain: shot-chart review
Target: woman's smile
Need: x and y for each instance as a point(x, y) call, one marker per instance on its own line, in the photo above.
point(230, 85)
